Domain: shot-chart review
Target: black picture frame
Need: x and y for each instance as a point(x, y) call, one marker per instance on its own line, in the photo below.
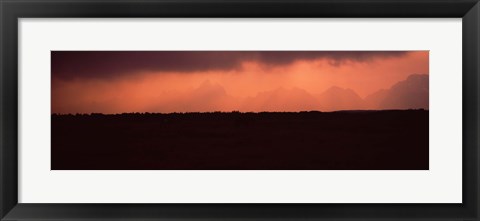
point(12, 10)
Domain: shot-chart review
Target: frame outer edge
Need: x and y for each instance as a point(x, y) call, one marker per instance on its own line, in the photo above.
point(8, 109)
point(476, 148)
point(9, 114)
point(3, 209)
point(2, 213)
point(471, 107)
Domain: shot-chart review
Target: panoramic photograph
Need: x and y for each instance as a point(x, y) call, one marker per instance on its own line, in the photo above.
point(239, 110)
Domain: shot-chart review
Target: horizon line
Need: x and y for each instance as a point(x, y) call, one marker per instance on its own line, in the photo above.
point(240, 112)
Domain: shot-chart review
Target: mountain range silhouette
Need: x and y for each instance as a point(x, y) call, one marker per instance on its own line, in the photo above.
point(411, 93)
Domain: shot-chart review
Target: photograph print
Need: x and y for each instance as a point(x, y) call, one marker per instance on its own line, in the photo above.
point(239, 110)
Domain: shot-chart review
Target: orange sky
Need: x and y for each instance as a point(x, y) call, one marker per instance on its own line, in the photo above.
point(82, 83)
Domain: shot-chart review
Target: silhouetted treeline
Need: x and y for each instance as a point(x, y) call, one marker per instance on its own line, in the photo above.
point(342, 140)
point(225, 113)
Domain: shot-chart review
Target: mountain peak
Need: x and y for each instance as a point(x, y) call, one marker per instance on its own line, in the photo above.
point(410, 93)
point(337, 98)
point(413, 77)
point(338, 91)
point(206, 83)
point(334, 88)
point(284, 99)
point(207, 87)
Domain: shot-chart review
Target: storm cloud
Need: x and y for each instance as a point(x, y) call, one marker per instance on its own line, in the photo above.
point(67, 65)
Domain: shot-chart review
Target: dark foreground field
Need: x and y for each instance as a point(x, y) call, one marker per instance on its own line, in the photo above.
point(380, 140)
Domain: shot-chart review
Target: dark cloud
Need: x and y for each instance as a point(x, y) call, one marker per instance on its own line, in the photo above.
point(107, 64)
